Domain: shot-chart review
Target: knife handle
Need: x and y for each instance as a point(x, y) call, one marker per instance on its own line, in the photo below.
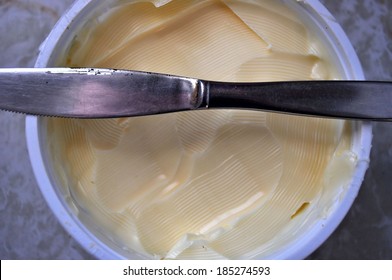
point(365, 100)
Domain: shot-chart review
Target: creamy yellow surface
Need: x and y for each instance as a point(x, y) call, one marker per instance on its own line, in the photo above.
point(210, 184)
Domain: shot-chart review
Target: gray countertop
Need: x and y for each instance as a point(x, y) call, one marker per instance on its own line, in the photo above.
point(28, 229)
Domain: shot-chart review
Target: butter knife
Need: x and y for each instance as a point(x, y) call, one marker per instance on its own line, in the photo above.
point(109, 93)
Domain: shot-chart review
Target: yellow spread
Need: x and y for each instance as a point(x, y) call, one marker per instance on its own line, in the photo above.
point(209, 184)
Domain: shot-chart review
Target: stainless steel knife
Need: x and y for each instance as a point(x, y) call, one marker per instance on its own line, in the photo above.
point(109, 93)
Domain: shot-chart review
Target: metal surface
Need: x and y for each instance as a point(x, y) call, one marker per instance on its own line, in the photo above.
point(362, 100)
point(107, 93)
point(93, 93)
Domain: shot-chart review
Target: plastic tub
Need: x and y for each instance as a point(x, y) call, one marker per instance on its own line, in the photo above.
point(89, 236)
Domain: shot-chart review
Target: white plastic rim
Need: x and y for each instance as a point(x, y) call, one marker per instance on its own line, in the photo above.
point(299, 248)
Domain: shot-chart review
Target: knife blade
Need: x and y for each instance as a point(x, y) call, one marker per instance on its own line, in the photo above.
point(109, 93)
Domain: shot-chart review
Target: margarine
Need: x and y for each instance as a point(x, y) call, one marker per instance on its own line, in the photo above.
point(210, 184)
